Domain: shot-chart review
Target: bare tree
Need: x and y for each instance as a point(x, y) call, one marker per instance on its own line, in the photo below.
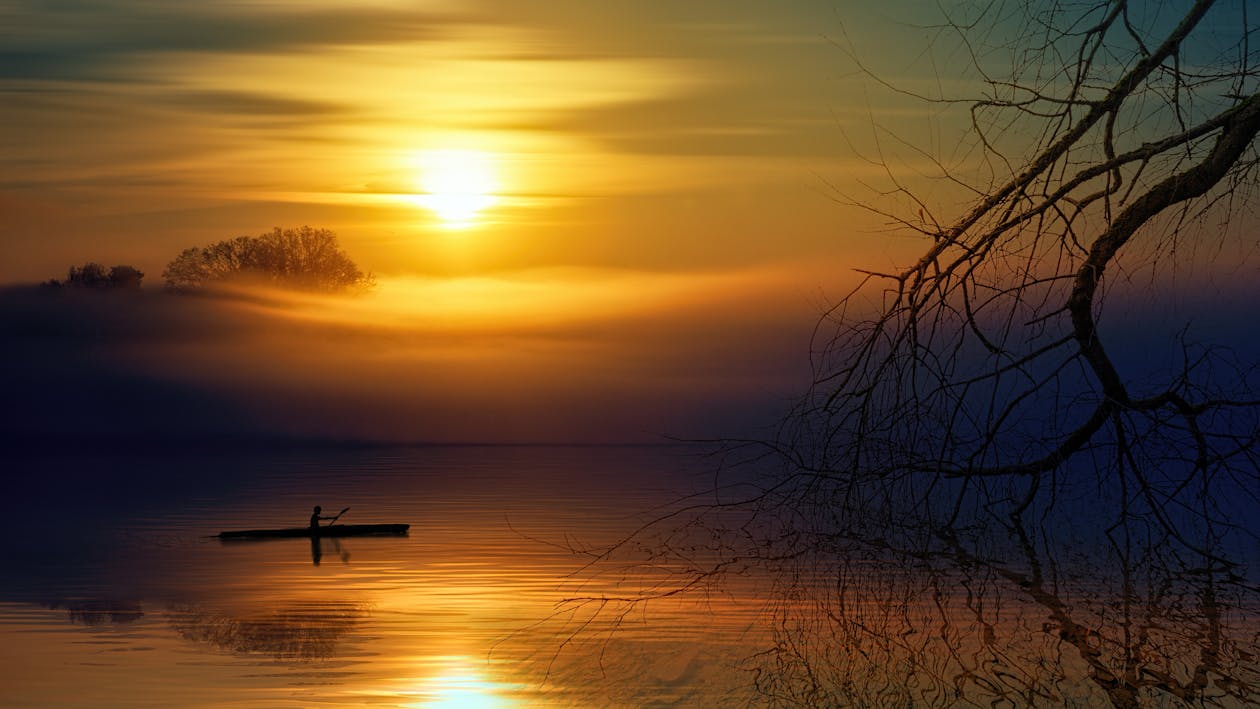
point(979, 390)
point(986, 359)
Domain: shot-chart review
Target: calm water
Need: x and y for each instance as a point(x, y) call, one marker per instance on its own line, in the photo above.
point(113, 594)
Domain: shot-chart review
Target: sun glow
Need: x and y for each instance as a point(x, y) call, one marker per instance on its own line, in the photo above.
point(456, 185)
point(461, 687)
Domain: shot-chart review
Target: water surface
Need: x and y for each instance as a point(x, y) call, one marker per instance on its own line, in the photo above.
point(115, 593)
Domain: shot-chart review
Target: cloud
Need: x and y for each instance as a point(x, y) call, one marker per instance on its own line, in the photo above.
point(248, 103)
point(745, 119)
point(107, 40)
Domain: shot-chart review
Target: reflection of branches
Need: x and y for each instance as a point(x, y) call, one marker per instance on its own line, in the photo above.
point(306, 632)
point(949, 626)
point(1076, 608)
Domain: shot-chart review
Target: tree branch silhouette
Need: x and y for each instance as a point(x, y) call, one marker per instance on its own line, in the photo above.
point(975, 397)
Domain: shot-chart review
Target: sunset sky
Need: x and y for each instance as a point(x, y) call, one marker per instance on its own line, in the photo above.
point(625, 214)
point(631, 135)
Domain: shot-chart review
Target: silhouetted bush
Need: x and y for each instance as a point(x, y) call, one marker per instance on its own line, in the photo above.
point(94, 275)
point(304, 258)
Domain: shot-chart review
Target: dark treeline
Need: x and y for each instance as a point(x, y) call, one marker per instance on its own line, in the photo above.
point(95, 275)
point(305, 258)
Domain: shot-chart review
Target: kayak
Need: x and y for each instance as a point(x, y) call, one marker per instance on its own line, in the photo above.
point(334, 530)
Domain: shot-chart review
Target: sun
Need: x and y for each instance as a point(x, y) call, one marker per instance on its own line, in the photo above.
point(456, 185)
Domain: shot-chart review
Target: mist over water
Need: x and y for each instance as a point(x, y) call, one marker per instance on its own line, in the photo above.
point(508, 360)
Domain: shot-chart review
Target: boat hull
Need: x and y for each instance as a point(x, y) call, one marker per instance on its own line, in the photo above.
point(335, 530)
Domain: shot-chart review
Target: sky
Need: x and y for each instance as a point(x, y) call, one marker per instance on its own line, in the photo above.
point(588, 221)
point(627, 135)
point(648, 245)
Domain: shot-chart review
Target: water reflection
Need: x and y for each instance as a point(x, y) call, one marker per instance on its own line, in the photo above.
point(445, 617)
point(459, 683)
point(98, 611)
point(515, 591)
point(947, 624)
point(335, 545)
point(1067, 605)
point(319, 546)
point(305, 632)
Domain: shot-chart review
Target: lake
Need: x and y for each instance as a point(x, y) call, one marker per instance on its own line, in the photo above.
point(115, 594)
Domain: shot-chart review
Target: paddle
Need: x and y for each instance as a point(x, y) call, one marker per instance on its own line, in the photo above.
point(334, 519)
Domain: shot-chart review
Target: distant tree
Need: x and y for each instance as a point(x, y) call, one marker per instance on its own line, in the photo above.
point(125, 277)
point(94, 275)
point(89, 275)
point(304, 258)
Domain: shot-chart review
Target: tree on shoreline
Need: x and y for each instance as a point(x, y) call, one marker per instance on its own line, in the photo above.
point(305, 258)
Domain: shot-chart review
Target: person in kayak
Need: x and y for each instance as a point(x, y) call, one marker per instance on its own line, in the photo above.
point(315, 517)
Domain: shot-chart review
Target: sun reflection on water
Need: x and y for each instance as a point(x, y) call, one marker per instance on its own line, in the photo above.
point(459, 686)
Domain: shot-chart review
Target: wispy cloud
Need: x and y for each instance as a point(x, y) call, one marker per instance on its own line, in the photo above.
point(108, 41)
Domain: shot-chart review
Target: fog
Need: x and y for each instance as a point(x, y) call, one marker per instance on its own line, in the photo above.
point(534, 357)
